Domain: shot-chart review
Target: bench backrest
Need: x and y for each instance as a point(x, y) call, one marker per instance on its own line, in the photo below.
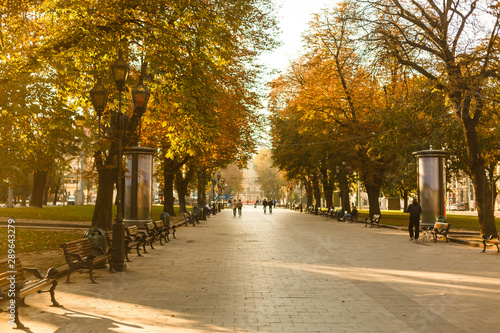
point(132, 230)
point(6, 266)
point(80, 246)
point(109, 238)
point(159, 224)
point(150, 226)
point(441, 225)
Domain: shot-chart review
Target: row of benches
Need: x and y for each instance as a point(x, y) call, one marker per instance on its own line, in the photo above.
point(16, 284)
point(439, 228)
point(79, 254)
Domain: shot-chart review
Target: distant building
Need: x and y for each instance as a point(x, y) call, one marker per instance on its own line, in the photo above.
point(251, 189)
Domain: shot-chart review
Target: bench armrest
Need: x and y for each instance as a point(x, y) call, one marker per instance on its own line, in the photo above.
point(34, 271)
point(77, 256)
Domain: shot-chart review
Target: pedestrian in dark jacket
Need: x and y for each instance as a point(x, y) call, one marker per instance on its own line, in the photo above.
point(414, 210)
point(264, 203)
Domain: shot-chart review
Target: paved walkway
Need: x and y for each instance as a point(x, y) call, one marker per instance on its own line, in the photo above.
point(285, 272)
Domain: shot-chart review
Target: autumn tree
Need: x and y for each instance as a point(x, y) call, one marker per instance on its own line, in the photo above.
point(453, 44)
point(188, 45)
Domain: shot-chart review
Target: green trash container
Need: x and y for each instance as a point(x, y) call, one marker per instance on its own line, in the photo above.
point(165, 217)
point(198, 212)
point(97, 238)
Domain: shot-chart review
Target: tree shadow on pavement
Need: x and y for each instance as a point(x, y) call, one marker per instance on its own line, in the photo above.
point(74, 321)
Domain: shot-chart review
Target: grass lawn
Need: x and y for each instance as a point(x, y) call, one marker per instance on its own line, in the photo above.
point(398, 218)
point(65, 213)
point(31, 240)
point(35, 240)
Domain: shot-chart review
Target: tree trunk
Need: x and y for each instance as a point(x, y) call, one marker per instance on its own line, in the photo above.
point(493, 181)
point(309, 193)
point(103, 210)
point(344, 193)
point(404, 195)
point(373, 192)
point(168, 192)
point(181, 185)
point(39, 180)
point(328, 188)
point(56, 191)
point(170, 167)
point(24, 194)
point(484, 202)
point(317, 194)
point(373, 184)
point(201, 200)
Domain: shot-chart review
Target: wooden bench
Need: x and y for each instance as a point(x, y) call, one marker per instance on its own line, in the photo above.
point(491, 239)
point(135, 239)
point(189, 219)
point(195, 217)
point(441, 228)
point(375, 220)
point(162, 231)
point(79, 254)
point(129, 244)
point(15, 286)
point(176, 225)
point(151, 231)
point(353, 217)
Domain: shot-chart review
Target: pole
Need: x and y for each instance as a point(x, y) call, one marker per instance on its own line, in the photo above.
point(358, 195)
point(82, 200)
point(118, 226)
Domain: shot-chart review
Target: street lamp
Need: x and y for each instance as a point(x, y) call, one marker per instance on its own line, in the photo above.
point(99, 97)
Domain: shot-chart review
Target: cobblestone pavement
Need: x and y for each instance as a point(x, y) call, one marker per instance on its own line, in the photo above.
point(282, 272)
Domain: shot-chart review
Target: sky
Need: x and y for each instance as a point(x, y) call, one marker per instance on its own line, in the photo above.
point(293, 17)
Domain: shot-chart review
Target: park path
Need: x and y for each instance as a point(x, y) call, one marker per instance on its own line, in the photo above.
point(282, 272)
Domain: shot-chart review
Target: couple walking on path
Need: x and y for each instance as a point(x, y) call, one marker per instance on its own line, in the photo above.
point(237, 206)
point(269, 203)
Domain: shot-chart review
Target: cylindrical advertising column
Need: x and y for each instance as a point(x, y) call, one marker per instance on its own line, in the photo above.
point(431, 184)
point(138, 195)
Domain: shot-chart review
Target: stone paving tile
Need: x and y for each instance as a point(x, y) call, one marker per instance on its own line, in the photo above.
point(285, 272)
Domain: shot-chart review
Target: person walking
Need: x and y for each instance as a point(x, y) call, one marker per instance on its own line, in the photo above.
point(414, 210)
point(264, 204)
point(234, 207)
point(270, 204)
point(239, 205)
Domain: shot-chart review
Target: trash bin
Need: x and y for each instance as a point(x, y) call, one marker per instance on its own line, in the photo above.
point(166, 219)
point(198, 212)
point(97, 238)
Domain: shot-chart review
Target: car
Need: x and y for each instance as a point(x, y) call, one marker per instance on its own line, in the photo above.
point(71, 200)
point(457, 206)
